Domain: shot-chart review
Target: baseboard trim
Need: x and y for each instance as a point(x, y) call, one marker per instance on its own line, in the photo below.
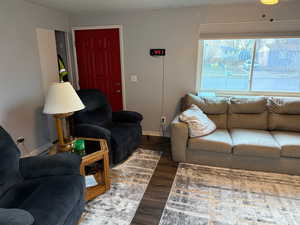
point(152, 133)
point(155, 133)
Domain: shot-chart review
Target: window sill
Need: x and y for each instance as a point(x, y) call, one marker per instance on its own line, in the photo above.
point(254, 93)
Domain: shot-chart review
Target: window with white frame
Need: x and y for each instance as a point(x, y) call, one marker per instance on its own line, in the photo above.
point(251, 65)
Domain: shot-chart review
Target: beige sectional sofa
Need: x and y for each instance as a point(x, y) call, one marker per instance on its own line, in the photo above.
point(255, 133)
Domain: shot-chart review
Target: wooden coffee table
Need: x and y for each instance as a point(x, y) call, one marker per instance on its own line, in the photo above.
point(101, 175)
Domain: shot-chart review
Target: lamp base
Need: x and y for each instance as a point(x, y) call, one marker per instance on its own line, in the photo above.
point(63, 145)
point(66, 147)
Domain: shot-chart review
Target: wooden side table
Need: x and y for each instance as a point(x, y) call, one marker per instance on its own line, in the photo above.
point(101, 176)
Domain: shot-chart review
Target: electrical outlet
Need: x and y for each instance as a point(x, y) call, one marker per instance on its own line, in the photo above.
point(20, 140)
point(163, 120)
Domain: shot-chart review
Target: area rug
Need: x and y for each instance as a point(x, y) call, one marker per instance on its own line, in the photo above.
point(203, 195)
point(129, 182)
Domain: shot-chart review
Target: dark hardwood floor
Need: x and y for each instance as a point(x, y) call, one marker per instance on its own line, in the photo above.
point(156, 195)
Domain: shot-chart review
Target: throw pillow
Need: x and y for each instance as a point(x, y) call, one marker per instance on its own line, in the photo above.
point(199, 124)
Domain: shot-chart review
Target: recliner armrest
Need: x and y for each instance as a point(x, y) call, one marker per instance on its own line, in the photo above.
point(179, 138)
point(54, 165)
point(127, 117)
point(15, 217)
point(92, 131)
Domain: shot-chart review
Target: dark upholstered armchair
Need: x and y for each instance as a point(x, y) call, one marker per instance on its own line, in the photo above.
point(122, 130)
point(41, 190)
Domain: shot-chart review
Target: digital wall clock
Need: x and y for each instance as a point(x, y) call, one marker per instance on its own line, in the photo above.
point(157, 52)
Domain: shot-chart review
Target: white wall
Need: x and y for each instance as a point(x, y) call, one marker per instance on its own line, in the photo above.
point(21, 87)
point(177, 30)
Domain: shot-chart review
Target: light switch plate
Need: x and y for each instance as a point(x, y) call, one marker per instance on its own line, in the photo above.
point(133, 78)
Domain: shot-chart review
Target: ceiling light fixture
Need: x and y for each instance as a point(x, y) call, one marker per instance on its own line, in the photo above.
point(269, 2)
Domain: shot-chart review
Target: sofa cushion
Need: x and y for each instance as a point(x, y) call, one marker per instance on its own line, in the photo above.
point(219, 120)
point(254, 105)
point(284, 105)
point(289, 143)
point(254, 143)
point(218, 141)
point(209, 105)
point(248, 113)
point(284, 122)
point(248, 121)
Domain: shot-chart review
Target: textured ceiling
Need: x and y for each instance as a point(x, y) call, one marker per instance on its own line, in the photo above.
point(77, 6)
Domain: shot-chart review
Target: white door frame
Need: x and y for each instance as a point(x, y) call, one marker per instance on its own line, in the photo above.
point(120, 27)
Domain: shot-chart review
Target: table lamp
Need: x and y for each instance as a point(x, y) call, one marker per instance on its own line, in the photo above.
point(62, 101)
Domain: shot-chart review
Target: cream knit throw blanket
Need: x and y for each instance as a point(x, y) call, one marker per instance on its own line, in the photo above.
point(199, 124)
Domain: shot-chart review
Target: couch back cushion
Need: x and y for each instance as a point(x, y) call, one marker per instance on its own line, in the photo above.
point(214, 107)
point(289, 106)
point(219, 120)
point(284, 114)
point(255, 105)
point(248, 113)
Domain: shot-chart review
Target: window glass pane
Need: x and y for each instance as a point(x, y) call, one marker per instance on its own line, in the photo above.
point(277, 65)
point(226, 64)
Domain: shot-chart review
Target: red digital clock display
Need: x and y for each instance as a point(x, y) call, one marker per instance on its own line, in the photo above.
point(157, 52)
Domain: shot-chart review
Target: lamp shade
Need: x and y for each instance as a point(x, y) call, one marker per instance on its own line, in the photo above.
point(62, 98)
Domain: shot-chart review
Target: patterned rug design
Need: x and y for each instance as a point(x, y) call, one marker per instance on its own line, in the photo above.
point(203, 195)
point(129, 182)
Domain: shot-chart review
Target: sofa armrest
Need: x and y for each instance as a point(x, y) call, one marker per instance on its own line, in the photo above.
point(15, 217)
point(179, 138)
point(127, 117)
point(54, 165)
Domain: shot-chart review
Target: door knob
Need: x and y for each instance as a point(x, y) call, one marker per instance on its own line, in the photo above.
point(118, 91)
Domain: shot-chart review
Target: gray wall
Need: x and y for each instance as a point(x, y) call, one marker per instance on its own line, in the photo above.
point(177, 30)
point(20, 73)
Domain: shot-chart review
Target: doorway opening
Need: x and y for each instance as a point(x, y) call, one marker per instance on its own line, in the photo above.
point(63, 57)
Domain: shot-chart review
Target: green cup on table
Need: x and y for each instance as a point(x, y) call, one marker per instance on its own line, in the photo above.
point(79, 147)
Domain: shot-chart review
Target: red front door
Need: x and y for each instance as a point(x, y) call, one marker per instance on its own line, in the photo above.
point(99, 63)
